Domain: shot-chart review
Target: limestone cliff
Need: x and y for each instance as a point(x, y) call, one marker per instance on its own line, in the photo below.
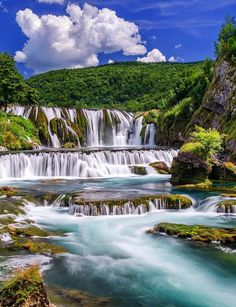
point(218, 109)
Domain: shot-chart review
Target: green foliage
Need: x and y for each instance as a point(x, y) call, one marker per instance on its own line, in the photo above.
point(12, 85)
point(226, 42)
point(195, 147)
point(128, 86)
point(17, 132)
point(21, 286)
point(205, 143)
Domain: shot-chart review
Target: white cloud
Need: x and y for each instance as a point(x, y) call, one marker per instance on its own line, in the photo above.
point(52, 1)
point(178, 46)
point(152, 57)
point(110, 62)
point(172, 59)
point(75, 39)
point(175, 59)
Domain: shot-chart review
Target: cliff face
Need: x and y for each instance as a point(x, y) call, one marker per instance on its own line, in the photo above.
point(218, 109)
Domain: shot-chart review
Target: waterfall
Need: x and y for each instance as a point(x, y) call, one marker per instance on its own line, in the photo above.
point(135, 206)
point(95, 127)
point(216, 204)
point(124, 207)
point(82, 164)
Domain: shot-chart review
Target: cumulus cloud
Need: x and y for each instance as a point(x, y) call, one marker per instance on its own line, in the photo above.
point(52, 1)
point(75, 39)
point(110, 62)
point(178, 46)
point(153, 56)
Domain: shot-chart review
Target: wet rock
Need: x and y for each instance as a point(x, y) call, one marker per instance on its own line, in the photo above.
point(161, 167)
point(188, 168)
point(198, 233)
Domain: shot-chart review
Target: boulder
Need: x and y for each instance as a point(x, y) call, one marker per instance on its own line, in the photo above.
point(161, 167)
point(189, 168)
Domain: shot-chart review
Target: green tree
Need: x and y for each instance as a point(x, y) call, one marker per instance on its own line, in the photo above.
point(206, 143)
point(226, 42)
point(12, 85)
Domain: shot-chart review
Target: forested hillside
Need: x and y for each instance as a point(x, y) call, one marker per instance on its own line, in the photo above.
point(128, 86)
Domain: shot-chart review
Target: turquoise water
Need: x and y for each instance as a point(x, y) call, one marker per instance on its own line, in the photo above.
point(114, 256)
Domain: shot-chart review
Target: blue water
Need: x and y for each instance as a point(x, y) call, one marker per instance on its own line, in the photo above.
point(114, 257)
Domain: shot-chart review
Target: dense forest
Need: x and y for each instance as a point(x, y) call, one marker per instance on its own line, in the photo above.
point(128, 86)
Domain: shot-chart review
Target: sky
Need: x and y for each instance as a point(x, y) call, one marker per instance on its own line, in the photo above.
point(44, 35)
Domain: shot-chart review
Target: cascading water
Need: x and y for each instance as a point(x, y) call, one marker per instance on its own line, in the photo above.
point(217, 204)
point(81, 164)
point(100, 127)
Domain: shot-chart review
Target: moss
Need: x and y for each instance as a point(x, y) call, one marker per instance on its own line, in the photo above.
point(107, 119)
point(173, 201)
point(43, 248)
point(8, 191)
point(11, 206)
point(25, 288)
point(82, 126)
point(199, 233)
point(201, 185)
point(17, 132)
point(161, 167)
point(69, 145)
point(26, 231)
point(41, 123)
point(138, 170)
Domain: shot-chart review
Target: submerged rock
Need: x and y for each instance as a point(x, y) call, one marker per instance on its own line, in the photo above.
point(199, 233)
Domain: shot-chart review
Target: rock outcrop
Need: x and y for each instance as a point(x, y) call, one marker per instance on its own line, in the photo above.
point(218, 109)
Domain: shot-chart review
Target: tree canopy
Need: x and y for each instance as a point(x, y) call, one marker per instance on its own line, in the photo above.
point(13, 88)
point(226, 42)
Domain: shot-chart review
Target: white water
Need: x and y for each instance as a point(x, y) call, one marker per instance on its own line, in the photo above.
point(210, 204)
point(118, 129)
point(127, 208)
point(113, 256)
point(80, 164)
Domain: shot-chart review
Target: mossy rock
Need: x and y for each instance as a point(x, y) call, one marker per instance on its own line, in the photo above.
point(198, 233)
point(24, 289)
point(226, 206)
point(161, 167)
point(60, 126)
point(69, 145)
point(189, 168)
point(26, 231)
point(10, 205)
point(138, 170)
point(172, 201)
point(223, 171)
point(43, 248)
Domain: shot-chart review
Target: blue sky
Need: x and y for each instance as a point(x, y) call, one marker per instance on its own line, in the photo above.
point(177, 30)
